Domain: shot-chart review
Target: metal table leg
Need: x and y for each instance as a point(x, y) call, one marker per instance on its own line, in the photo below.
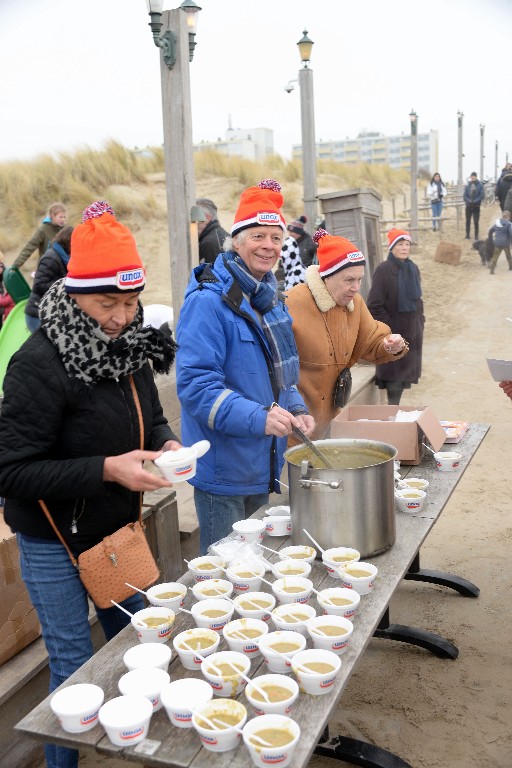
point(463, 586)
point(357, 752)
point(428, 640)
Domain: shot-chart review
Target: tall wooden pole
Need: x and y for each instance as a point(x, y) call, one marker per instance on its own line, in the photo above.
point(460, 189)
point(496, 161)
point(482, 155)
point(414, 177)
point(178, 158)
point(307, 119)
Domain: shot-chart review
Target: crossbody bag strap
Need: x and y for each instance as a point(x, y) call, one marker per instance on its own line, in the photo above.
point(52, 523)
point(141, 433)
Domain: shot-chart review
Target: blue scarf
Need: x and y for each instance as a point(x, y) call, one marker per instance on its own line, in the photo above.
point(409, 286)
point(60, 251)
point(275, 320)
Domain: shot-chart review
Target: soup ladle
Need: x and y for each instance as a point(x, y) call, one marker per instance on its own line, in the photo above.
point(312, 447)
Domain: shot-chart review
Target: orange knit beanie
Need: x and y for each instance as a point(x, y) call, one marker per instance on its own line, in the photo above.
point(335, 253)
point(394, 235)
point(260, 205)
point(104, 257)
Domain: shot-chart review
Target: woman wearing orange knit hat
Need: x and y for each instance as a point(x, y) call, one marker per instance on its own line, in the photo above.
point(395, 299)
point(334, 329)
point(237, 368)
point(71, 434)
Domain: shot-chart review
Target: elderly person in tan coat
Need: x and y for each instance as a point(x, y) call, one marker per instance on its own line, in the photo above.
point(334, 329)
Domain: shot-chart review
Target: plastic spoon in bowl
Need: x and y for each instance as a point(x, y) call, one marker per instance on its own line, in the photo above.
point(200, 656)
point(136, 589)
point(269, 549)
point(289, 658)
point(235, 670)
point(139, 623)
point(283, 484)
point(428, 448)
point(239, 730)
point(313, 540)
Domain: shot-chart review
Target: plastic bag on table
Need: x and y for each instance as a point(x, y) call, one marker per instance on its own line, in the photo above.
point(233, 551)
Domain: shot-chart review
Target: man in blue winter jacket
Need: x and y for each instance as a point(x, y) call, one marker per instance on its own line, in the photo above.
point(237, 369)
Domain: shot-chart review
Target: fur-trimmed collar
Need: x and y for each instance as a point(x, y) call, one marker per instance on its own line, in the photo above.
point(321, 295)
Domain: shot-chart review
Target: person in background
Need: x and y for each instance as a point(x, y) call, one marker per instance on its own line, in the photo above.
point(333, 327)
point(52, 266)
point(307, 247)
point(291, 263)
point(6, 301)
point(501, 234)
point(436, 191)
point(70, 434)
point(473, 196)
point(395, 299)
point(503, 185)
point(211, 234)
point(42, 237)
point(237, 369)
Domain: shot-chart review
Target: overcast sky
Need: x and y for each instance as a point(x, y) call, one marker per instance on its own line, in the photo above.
point(78, 73)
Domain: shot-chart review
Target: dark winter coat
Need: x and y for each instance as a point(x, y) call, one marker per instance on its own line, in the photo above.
point(508, 201)
point(56, 434)
point(502, 187)
point(307, 249)
point(383, 303)
point(473, 197)
point(50, 269)
point(40, 241)
point(211, 241)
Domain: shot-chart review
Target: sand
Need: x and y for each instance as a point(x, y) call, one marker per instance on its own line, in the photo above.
point(436, 713)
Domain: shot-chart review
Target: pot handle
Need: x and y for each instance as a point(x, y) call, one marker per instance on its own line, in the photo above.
point(334, 484)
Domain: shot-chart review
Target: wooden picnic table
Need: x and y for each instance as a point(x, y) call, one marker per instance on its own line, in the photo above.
point(181, 748)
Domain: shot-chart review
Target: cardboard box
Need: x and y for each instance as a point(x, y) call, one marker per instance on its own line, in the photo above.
point(448, 253)
point(405, 436)
point(19, 624)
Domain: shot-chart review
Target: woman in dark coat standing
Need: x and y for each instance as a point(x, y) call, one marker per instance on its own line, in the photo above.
point(395, 299)
point(52, 267)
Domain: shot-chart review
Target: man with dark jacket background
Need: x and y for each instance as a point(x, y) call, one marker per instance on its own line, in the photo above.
point(503, 185)
point(473, 196)
point(211, 234)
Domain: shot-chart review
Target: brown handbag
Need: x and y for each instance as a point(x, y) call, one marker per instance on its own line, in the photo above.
point(124, 556)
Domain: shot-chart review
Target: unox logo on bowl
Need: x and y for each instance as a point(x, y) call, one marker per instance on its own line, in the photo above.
point(209, 740)
point(268, 218)
point(165, 631)
point(304, 599)
point(413, 504)
point(182, 717)
point(288, 527)
point(218, 625)
point(216, 686)
point(250, 648)
point(339, 644)
point(130, 278)
point(269, 527)
point(88, 719)
point(346, 584)
point(327, 683)
point(183, 470)
point(240, 586)
point(273, 759)
point(133, 733)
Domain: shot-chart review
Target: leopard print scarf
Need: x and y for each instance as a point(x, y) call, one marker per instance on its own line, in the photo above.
point(87, 353)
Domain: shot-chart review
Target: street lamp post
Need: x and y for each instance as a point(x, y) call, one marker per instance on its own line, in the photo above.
point(460, 190)
point(307, 119)
point(174, 33)
point(414, 176)
point(482, 155)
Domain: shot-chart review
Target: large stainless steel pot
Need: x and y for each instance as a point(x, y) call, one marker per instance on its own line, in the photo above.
point(344, 507)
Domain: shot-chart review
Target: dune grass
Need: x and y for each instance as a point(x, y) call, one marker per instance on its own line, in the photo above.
point(27, 188)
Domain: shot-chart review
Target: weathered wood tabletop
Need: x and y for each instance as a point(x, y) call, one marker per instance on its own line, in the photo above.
point(181, 748)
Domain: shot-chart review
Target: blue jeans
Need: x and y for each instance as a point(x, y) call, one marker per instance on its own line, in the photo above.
point(60, 600)
point(437, 209)
point(216, 514)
